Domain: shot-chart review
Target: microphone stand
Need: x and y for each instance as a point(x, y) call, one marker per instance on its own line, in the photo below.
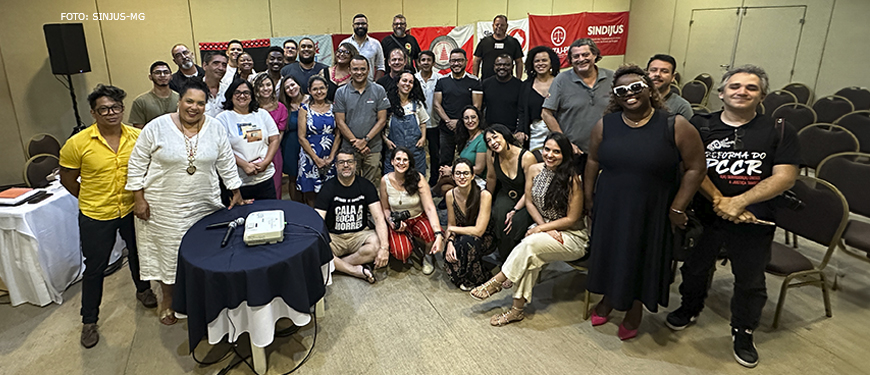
point(72, 93)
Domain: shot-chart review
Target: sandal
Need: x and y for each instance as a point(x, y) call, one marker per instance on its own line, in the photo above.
point(368, 276)
point(486, 290)
point(167, 317)
point(504, 318)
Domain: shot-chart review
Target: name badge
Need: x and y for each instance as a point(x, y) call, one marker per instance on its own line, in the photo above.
point(498, 46)
point(370, 101)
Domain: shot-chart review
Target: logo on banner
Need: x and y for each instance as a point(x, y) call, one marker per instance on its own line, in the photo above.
point(441, 47)
point(519, 35)
point(608, 30)
point(558, 35)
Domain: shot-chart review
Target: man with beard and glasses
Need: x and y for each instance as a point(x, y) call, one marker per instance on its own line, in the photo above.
point(290, 51)
point(501, 95)
point(454, 92)
point(578, 97)
point(234, 50)
point(158, 101)
point(661, 69)
point(367, 46)
point(187, 69)
point(400, 39)
point(305, 67)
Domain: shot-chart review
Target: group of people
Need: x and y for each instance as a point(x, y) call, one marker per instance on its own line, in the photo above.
point(586, 163)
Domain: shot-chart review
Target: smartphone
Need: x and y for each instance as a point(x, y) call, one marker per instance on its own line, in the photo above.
point(40, 198)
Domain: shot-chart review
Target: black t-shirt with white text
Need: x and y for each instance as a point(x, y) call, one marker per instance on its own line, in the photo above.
point(739, 157)
point(346, 207)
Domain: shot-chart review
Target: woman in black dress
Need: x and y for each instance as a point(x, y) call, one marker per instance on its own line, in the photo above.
point(509, 216)
point(469, 235)
point(542, 65)
point(640, 197)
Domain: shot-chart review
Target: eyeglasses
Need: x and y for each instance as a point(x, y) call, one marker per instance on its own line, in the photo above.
point(345, 162)
point(399, 24)
point(738, 142)
point(457, 61)
point(342, 52)
point(182, 53)
point(462, 173)
point(162, 73)
point(242, 93)
point(105, 111)
point(629, 89)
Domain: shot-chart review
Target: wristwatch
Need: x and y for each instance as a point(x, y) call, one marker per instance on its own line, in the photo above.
point(367, 139)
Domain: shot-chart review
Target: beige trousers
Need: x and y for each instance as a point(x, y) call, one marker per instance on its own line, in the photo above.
point(369, 167)
point(525, 261)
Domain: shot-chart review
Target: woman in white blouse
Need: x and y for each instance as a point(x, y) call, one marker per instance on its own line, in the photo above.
point(173, 174)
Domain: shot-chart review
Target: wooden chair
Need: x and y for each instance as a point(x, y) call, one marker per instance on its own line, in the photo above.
point(823, 220)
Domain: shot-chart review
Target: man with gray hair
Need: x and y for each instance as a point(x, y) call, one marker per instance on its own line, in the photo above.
point(578, 98)
point(187, 67)
point(751, 160)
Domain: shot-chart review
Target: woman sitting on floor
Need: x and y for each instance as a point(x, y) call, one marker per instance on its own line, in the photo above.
point(404, 193)
point(469, 237)
point(554, 199)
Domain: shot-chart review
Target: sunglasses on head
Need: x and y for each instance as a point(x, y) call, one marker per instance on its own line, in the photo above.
point(629, 89)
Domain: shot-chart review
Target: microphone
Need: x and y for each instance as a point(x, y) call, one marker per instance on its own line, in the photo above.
point(219, 225)
point(230, 227)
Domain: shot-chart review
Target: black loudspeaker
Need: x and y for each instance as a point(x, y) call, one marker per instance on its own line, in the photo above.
point(67, 49)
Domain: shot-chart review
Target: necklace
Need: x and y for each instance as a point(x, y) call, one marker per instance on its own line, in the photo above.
point(340, 80)
point(191, 151)
point(637, 123)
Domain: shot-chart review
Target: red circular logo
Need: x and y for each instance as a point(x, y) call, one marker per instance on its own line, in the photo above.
point(520, 36)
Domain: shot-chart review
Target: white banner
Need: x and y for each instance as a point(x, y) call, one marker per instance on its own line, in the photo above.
point(322, 43)
point(518, 29)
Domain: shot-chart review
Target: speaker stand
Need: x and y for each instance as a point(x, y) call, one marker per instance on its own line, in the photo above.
point(72, 93)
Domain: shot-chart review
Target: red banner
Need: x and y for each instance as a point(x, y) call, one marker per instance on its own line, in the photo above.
point(608, 30)
point(442, 39)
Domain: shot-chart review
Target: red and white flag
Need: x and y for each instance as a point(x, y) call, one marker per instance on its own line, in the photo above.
point(519, 29)
point(442, 39)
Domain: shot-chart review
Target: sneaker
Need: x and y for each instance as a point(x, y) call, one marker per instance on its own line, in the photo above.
point(148, 299)
point(428, 267)
point(90, 335)
point(465, 288)
point(745, 351)
point(681, 318)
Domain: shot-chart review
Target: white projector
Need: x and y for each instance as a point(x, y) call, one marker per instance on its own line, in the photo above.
point(264, 227)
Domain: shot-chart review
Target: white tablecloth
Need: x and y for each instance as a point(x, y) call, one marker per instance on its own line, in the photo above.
point(259, 321)
point(39, 248)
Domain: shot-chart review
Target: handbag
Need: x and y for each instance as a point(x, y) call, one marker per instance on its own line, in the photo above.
point(685, 240)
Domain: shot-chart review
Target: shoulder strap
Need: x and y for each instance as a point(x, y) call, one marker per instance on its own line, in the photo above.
point(672, 133)
point(780, 127)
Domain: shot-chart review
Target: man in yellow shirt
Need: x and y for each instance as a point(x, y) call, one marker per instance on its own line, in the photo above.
point(99, 155)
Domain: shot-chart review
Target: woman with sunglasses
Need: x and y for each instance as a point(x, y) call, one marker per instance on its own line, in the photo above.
point(554, 198)
point(254, 138)
point(507, 158)
point(319, 140)
point(338, 74)
point(640, 197)
point(469, 236)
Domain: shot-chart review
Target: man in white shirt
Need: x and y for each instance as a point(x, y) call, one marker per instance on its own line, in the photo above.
point(215, 67)
point(427, 78)
point(367, 46)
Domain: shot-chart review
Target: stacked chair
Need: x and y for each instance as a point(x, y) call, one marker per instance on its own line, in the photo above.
point(850, 173)
point(832, 107)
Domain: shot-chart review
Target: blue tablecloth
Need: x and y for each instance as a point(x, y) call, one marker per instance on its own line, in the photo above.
point(211, 278)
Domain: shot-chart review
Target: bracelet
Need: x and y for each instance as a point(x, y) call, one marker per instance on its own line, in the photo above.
point(513, 210)
point(439, 233)
point(676, 211)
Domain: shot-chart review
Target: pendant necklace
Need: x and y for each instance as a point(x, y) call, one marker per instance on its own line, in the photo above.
point(191, 151)
point(637, 123)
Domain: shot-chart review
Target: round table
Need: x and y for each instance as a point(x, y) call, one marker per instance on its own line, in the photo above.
point(215, 282)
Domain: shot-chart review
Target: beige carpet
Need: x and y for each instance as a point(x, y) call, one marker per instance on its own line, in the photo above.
point(409, 323)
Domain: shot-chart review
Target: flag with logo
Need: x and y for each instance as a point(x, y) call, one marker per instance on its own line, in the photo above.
point(608, 30)
point(442, 39)
point(519, 29)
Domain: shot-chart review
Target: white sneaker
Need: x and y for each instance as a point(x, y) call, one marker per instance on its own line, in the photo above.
point(428, 267)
